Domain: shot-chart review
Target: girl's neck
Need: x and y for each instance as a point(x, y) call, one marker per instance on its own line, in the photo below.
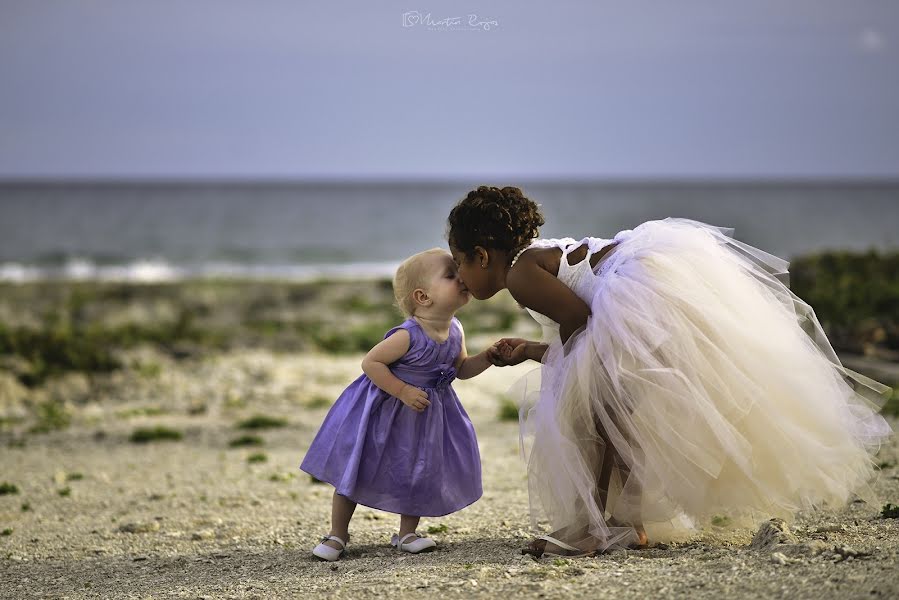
point(437, 323)
point(503, 261)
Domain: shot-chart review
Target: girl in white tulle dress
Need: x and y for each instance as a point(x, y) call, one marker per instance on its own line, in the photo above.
point(680, 378)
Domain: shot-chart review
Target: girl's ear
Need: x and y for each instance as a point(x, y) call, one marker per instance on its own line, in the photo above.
point(421, 297)
point(481, 256)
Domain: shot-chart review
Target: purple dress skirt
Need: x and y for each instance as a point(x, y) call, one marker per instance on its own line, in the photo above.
point(380, 453)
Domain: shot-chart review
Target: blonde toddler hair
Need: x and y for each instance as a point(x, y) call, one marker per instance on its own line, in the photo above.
point(411, 275)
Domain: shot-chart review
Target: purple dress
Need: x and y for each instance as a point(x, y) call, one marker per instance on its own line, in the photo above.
point(378, 452)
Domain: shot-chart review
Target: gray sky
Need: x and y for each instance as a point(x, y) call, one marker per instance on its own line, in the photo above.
point(627, 88)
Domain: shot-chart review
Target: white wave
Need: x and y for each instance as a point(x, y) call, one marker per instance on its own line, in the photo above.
point(158, 270)
point(18, 273)
point(79, 269)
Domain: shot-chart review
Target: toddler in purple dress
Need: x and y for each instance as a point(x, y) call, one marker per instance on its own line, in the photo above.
point(397, 439)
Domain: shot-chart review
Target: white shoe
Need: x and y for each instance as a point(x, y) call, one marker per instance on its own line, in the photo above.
point(325, 552)
point(421, 544)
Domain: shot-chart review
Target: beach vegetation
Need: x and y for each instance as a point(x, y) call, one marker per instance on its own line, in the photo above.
point(508, 410)
point(141, 411)
point(319, 401)
point(159, 433)
point(262, 422)
point(51, 415)
point(257, 457)
point(855, 295)
point(246, 440)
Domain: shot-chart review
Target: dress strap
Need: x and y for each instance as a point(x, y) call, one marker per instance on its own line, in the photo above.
point(408, 325)
point(561, 243)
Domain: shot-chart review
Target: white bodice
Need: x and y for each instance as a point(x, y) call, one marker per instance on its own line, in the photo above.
point(580, 277)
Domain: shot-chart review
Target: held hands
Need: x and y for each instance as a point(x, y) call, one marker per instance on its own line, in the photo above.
point(508, 351)
point(414, 398)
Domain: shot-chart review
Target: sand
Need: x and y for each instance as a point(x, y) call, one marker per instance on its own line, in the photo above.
point(98, 516)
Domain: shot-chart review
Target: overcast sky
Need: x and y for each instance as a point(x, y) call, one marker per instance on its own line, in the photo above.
point(632, 89)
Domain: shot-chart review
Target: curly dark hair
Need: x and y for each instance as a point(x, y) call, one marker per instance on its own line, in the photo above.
point(492, 217)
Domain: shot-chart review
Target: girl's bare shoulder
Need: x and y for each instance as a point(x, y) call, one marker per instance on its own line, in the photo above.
point(546, 259)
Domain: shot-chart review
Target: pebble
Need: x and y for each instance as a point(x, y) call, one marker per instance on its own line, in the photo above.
point(772, 533)
point(137, 527)
point(203, 534)
point(815, 547)
point(847, 552)
point(778, 558)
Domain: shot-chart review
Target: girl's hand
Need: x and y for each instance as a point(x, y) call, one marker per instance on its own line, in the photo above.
point(414, 398)
point(518, 354)
point(509, 351)
point(496, 355)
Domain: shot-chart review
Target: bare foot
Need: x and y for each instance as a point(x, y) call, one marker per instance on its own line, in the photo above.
point(642, 538)
point(535, 548)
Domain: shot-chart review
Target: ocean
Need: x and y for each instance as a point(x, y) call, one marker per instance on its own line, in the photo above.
point(162, 231)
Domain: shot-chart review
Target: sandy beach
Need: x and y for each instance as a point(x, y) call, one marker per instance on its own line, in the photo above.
point(88, 511)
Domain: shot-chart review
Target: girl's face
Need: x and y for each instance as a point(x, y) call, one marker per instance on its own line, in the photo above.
point(473, 276)
point(446, 288)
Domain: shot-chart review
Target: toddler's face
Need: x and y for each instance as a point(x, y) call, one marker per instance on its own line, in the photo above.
point(446, 288)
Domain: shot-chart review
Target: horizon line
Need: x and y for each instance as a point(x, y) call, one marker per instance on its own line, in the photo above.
point(447, 179)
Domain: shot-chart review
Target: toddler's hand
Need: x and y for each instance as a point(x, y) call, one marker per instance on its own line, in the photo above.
point(508, 351)
point(414, 398)
point(496, 355)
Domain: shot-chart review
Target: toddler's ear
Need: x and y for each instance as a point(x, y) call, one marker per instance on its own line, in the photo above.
point(421, 297)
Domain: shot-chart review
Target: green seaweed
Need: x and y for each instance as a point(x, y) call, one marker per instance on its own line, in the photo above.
point(508, 411)
point(262, 422)
point(52, 415)
point(246, 440)
point(159, 433)
point(257, 457)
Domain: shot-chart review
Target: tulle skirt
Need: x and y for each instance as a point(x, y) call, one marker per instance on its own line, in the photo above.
point(700, 390)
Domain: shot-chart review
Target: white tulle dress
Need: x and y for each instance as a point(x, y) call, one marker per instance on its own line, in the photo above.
point(700, 389)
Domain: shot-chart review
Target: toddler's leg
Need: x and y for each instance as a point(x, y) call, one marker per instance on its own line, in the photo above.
point(415, 543)
point(342, 509)
point(408, 524)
